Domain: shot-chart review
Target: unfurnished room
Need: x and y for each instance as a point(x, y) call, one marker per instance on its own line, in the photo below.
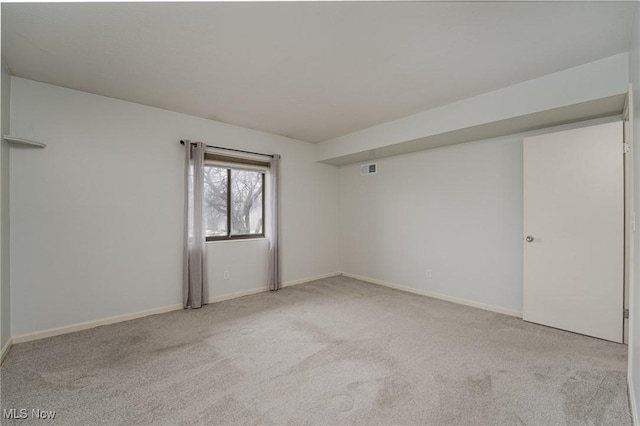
point(349, 213)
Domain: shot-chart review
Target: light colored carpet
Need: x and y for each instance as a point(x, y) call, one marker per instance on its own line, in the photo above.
point(335, 351)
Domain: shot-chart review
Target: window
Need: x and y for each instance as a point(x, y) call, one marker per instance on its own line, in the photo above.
point(233, 201)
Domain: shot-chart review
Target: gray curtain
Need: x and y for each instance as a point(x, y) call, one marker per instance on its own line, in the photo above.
point(272, 229)
point(194, 271)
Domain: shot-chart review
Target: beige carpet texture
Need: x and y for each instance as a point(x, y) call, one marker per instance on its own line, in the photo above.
point(333, 351)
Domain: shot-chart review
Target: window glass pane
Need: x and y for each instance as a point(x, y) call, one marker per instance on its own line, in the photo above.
point(215, 201)
point(246, 202)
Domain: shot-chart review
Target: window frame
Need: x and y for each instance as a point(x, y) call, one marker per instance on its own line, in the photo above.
point(229, 236)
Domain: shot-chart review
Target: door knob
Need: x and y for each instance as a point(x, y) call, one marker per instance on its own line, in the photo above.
point(529, 238)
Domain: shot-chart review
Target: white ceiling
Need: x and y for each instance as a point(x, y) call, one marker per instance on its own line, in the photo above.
point(311, 71)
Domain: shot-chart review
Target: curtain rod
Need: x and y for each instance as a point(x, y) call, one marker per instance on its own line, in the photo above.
point(183, 141)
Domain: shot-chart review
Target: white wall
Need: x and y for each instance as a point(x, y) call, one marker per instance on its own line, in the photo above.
point(455, 210)
point(634, 343)
point(5, 297)
point(96, 227)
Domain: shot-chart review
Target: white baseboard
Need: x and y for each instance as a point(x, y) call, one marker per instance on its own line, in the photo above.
point(479, 305)
point(236, 294)
point(257, 290)
point(308, 279)
point(91, 324)
point(215, 299)
point(5, 349)
point(632, 402)
point(120, 318)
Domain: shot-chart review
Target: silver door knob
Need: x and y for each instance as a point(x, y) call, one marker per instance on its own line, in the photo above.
point(529, 238)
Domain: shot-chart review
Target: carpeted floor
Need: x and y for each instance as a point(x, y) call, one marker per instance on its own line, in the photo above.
point(335, 351)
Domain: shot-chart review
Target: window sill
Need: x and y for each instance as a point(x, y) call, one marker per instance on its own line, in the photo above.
point(239, 240)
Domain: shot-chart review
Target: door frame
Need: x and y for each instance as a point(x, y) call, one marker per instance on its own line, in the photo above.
point(627, 121)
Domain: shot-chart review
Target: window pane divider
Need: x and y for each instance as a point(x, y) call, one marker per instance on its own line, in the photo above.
point(228, 203)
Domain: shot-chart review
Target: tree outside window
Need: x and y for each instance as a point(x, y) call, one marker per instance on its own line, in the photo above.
point(234, 203)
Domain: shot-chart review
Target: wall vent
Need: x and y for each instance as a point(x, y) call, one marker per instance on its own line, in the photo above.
point(369, 169)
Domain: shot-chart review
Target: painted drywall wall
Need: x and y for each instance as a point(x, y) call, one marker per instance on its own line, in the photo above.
point(634, 328)
point(446, 221)
point(98, 214)
point(595, 80)
point(5, 290)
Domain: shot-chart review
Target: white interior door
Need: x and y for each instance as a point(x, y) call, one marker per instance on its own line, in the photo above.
point(573, 227)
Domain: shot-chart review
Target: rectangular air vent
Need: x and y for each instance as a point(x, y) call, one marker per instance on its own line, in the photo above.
point(369, 169)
